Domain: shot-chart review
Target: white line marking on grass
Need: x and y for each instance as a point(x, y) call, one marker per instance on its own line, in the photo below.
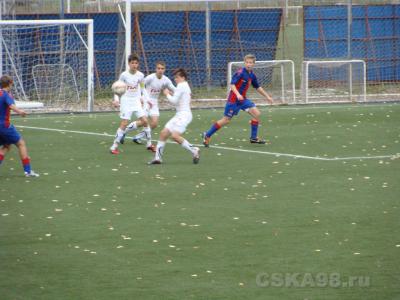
point(327, 106)
point(276, 154)
point(67, 131)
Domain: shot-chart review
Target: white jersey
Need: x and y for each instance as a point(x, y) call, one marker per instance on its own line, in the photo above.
point(181, 98)
point(154, 86)
point(133, 82)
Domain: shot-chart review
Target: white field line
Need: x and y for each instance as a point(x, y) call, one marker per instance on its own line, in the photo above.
point(276, 154)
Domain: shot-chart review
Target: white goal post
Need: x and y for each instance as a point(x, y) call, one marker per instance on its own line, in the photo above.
point(334, 81)
point(50, 61)
point(277, 77)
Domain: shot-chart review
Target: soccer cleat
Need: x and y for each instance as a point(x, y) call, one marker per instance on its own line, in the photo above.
point(257, 140)
point(114, 151)
point(31, 174)
point(206, 139)
point(154, 162)
point(151, 148)
point(137, 141)
point(122, 140)
point(196, 155)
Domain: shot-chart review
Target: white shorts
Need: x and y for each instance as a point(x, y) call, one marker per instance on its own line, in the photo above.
point(152, 110)
point(179, 122)
point(130, 106)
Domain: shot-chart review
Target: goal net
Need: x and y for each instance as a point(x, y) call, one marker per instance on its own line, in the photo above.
point(274, 76)
point(334, 81)
point(50, 61)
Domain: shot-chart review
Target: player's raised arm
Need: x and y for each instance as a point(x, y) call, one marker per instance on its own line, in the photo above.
point(260, 90)
point(11, 103)
point(267, 97)
point(170, 85)
point(173, 98)
point(17, 110)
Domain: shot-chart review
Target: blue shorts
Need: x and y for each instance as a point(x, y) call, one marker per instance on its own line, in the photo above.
point(9, 136)
point(232, 109)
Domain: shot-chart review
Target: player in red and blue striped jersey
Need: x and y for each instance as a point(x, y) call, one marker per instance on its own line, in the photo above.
point(8, 134)
point(237, 101)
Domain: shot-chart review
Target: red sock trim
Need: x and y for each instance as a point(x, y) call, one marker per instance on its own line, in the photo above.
point(26, 161)
point(217, 126)
point(254, 122)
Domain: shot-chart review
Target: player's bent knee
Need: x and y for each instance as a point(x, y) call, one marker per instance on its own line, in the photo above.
point(153, 124)
point(226, 120)
point(164, 134)
point(255, 113)
point(20, 143)
point(124, 123)
point(144, 121)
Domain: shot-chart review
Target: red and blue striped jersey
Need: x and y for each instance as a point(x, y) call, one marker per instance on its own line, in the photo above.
point(5, 102)
point(242, 80)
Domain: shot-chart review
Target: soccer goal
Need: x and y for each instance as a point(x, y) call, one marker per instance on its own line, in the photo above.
point(51, 62)
point(334, 81)
point(277, 77)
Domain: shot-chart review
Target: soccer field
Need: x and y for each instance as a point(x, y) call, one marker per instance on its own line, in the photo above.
point(314, 214)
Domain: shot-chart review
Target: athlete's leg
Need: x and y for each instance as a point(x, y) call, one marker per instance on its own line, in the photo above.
point(164, 134)
point(214, 128)
point(26, 161)
point(255, 121)
point(231, 109)
point(153, 122)
point(176, 136)
point(3, 151)
point(119, 136)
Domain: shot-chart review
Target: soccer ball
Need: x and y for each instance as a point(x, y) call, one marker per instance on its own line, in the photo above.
point(119, 87)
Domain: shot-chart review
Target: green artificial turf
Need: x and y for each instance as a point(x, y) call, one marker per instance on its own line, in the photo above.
point(237, 226)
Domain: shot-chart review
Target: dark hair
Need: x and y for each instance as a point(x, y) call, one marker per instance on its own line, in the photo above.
point(133, 57)
point(180, 72)
point(6, 81)
point(161, 62)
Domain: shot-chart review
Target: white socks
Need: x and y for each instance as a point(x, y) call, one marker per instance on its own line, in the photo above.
point(131, 126)
point(140, 135)
point(147, 133)
point(159, 150)
point(185, 144)
point(118, 136)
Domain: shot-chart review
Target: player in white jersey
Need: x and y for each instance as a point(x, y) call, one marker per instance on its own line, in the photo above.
point(130, 103)
point(154, 84)
point(177, 125)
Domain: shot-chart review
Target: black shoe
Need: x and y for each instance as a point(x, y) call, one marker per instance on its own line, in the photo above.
point(257, 141)
point(154, 162)
point(137, 141)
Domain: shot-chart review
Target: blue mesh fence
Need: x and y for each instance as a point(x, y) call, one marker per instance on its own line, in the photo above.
point(178, 38)
point(375, 37)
